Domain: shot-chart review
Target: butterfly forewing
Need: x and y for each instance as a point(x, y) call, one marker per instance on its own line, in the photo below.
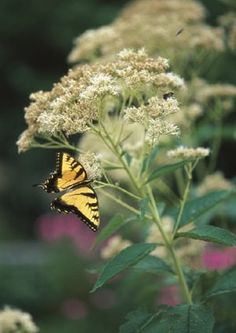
point(81, 201)
point(69, 173)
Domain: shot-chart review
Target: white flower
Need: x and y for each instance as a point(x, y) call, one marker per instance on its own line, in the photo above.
point(159, 127)
point(185, 153)
point(90, 162)
point(214, 182)
point(15, 321)
point(114, 246)
point(100, 85)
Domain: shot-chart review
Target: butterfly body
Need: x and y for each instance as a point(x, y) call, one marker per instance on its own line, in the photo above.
point(78, 196)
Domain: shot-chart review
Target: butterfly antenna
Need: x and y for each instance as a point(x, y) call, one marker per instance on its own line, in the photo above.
point(37, 185)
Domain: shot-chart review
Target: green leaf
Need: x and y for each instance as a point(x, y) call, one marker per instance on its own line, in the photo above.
point(126, 258)
point(185, 318)
point(136, 321)
point(149, 159)
point(165, 169)
point(127, 157)
point(210, 234)
point(143, 205)
point(226, 283)
point(152, 264)
point(114, 167)
point(113, 225)
point(197, 207)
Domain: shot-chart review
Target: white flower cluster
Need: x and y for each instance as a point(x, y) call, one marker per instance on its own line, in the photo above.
point(188, 153)
point(114, 246)
point(90, 162)
point(88, 94)
point(154, 117)
point(100, 85)
point(15, 321)
point(214, 182)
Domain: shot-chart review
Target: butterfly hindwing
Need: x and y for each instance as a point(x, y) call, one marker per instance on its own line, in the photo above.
point(68, 173)
point(81, 201)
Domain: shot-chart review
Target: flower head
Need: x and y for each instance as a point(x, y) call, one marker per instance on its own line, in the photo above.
point(13, 320)
point(214, 182)
point(90, 93)
point(114, 246)
point(188, 153)
point(154, 24)
point(90, 162)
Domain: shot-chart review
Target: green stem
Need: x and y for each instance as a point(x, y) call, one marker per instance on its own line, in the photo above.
point(116, 151)
point(57, 142)
point(120, 202)
point(154, 212)
point(169, 245)
point(117, 187)
point(184, 199)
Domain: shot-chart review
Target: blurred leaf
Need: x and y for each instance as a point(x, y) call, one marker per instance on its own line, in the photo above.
point(113, 225)
point(127, 157)
point(226, 283)
point(149, 159)
point(185, 318)
point(229, 208)
point(207, 132)
point(126, 258)
point(199, 206)
point(210, 234)
point(165, 169)
point(152, 264)
point(161, 207)
point(137, 321)
point(143, 205)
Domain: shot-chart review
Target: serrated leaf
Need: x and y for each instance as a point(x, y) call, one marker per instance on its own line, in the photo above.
point(136, 321)
point(126, 258)
point(152, 264)
point(113, 225)
point(199, 206)
point(185, 318)
point(165, 169)
point(210, 234)
point(226, 283)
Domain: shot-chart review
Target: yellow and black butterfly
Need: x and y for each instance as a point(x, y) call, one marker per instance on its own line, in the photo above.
point(79, 197)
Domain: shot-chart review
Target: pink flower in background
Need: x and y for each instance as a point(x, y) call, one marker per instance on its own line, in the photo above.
point(216, 258)
point(54, 227)
point(74, 309)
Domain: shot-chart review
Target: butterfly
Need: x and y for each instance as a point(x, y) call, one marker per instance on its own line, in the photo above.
point(78, 196)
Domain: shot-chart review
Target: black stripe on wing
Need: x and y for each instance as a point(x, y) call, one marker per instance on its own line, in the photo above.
point(61, 206)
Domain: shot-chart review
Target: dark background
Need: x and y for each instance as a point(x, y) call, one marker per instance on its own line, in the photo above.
point(35, 39)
